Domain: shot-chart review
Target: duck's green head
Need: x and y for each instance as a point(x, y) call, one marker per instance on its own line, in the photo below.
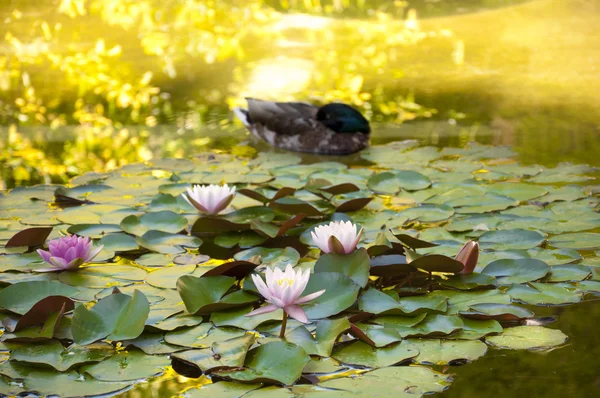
point(342, 118)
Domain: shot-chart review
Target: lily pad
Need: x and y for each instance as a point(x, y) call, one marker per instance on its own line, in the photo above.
point(517, 271)
point(528, 338)
point(52, 353)
point(115, 317)
point(167, 243)
point(166, 221)
point(275, 362)
point(360, 353)
point(439, 352)
point(127, 365)
point(355, 265)
point(578, 241)
point(396, 381)
point(511, 239)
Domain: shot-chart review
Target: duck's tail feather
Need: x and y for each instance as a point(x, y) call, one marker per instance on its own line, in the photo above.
point(243, 115)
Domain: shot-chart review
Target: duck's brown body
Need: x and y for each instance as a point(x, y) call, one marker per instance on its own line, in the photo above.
point(294, 126)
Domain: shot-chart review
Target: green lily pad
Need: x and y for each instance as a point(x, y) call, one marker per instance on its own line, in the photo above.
point(578, 241)
point(517, 271)
point(167, 243)
point(275, 362)
point(127, 366)
point(360, 353)
point(567, 273)
point(500, 312)
point(52, 353)
point(201, 336)
point(52, 382)
point(276, 258)
point(377, 302)
point(545, 294)
point(167, 277)
point(118, 242)
point(222, 389)
point(222, 355)
point(355, 265)
point(95, 231)
point(340, 293)
point(511, 239)
point(201, 294)
point(165, 221)
point(237, 318)
point(396, 381)
point(115, 317)
point(528, 338)
point(428, 213)
point(21, 297)
point(439, 352)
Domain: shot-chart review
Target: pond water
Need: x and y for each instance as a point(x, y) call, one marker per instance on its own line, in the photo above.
point(94, 85)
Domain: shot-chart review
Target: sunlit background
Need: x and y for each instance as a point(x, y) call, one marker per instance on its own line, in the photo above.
point(94, 84)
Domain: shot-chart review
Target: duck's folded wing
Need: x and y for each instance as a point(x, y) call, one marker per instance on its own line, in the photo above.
point(262, 111)
point(295, 126)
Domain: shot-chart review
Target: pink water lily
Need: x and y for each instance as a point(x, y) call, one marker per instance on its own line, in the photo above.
point(68, 253)
point(209, 199)
point(283, 290)
point(339, 237)
point(468, 255)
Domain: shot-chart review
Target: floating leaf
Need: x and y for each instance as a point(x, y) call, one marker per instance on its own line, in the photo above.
point(517, 271)
point(340, 293)
point(30, 237)
point(127, 365)
point(360, 353)
point(275, 362)
point(207, 294)
point(528, 338)
point(545, 294)
point(53, 353)
point(500, 312)
point(164, 242)
point(115, 317)
point(354, 265)
point(21, 297)
point(276, 258)
point(578, 241)
point(439, 352)
point(222, 355)
point(166, 221)
point(511, 239)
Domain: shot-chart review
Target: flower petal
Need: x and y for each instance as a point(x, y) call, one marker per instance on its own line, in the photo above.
point(262, 310)
point(94, 253)
point(277, 301)
point(260, 285)
point(297, 313)
point(310, 297)
point(73, 265)
point(45, 255)
point(58, 262)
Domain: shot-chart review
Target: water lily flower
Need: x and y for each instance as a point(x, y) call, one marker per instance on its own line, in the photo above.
point(209, 199)
point(339, 237)
point(468, 255)
point(68, 253)
point(283, 290)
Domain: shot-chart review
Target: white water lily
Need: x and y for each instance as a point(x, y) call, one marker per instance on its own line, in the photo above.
point(339, 237)
point(209, 199)
point(283, 290)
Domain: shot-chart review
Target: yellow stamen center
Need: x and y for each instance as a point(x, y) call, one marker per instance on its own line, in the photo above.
point(285, 281)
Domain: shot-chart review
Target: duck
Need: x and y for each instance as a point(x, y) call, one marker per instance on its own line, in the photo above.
point(332, 129)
